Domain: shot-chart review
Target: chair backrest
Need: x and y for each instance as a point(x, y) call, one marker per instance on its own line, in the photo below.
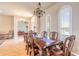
point(53, 35)
point(26, 37)
point(31, 44)
point(30, 38)
point(72, 40)
point(44, 34)
point(68, 45)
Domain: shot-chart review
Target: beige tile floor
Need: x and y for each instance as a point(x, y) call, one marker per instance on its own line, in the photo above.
point(13, 47)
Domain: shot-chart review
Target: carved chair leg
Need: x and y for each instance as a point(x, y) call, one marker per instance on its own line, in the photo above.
point(47, 52)
point(40, 52)
point(32, 52)
point(28, 52)
point(27, 49)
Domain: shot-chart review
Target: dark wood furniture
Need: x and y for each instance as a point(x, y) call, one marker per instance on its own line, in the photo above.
point(67, 47)
point(27, 42)
point(20, 33)
point(9, 35)
point(72, 39)
point(54, 36)
point(40, 44)
point(36, 46)
point(30, 45)
point(43, 47)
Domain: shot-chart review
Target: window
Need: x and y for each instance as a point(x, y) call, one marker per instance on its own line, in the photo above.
point(65, 22)
point(48, 23)
point(22, 26)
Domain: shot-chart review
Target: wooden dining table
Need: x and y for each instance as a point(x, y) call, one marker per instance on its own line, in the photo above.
point(43, 45)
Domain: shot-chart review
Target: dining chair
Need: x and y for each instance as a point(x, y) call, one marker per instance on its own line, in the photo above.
point(67, 47)
point(54, 36)
point(72, 39)
point(32, 48)
point(25, 37)
point(30, 43)
point(44, 34)
point(26, 42)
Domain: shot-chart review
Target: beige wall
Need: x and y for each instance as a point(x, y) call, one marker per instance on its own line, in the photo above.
point(6, 23)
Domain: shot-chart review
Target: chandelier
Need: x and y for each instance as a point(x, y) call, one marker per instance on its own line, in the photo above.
point(38, 11)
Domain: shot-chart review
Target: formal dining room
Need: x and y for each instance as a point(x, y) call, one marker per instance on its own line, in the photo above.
point(39, 28)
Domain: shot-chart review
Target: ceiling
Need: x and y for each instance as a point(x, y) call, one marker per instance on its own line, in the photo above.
point(21, 8)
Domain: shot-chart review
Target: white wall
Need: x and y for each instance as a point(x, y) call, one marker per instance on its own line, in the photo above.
point(6, 23)
point(75, 27)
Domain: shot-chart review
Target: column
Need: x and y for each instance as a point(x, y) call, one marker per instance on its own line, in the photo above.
point(15, 28)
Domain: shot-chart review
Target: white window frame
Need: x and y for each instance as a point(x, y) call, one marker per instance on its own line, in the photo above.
point(59, 15)
point(48, 16)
